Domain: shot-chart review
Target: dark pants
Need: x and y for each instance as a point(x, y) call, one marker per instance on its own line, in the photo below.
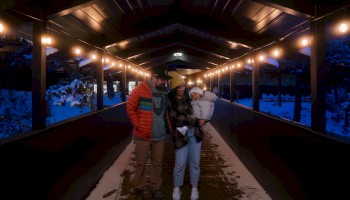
point(144, 149)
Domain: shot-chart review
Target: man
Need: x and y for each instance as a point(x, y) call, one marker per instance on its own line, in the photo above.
point(146, 108)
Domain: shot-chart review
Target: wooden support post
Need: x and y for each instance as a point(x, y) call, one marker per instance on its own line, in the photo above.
point(219, 85)
point(39, 103)
point(318, 77)
point(210, 83)
point(255, 85)
point(123, 85)
point(232, 85)
point(99, 79)
point(136, 78)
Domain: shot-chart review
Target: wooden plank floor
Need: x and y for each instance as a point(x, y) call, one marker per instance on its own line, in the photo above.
point(223, 176)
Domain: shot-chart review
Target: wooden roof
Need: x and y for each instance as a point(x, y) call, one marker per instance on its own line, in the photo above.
point(147, 32)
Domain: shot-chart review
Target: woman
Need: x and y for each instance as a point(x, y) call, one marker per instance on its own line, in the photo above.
point(188, 144)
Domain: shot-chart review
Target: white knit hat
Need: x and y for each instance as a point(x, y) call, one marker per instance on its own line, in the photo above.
point(196, 89)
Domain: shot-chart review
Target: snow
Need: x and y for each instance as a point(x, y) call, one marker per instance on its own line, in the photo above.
point(110, 185)
point(251, 189)
point(15, 110)
point(334, 122)
point(285, 111)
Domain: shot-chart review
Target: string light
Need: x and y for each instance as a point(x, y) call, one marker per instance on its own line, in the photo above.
point(46, 40)
point(2, 28)
point(304, 42)
point(343, 27)
point(276, 53)
point(77, 51)
point(261, 57)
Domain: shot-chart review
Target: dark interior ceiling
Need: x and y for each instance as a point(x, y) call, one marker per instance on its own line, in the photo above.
point(209, 33)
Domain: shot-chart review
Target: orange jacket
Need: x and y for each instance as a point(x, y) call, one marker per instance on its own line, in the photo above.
point(139, 108)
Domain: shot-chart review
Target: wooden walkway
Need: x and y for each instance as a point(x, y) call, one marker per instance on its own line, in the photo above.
point(223, 176)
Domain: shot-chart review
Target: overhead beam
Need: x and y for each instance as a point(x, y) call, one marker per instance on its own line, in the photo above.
point(306, 9)
point(167, 59)
point(173, 28)
point(74, 6)
point(141, 53)
point(289, 7)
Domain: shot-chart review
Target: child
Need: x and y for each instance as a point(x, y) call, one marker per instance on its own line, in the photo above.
point(202, 104)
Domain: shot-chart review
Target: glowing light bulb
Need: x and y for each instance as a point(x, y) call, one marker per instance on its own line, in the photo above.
point(46, 40)
point(261, 58)
point(304, 42)
point(343, 28)
point(2, 28)
point(77, 51)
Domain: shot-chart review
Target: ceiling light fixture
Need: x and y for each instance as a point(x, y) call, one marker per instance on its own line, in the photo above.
point(177, 54)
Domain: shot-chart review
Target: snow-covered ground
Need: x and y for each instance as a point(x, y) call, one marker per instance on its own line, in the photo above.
point(110, 185)
point(15, 112)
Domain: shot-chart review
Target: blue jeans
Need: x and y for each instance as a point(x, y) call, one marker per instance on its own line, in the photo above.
point(192, 153)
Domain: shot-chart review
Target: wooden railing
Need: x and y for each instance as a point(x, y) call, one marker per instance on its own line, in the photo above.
point(64, 161)
point(289, 161)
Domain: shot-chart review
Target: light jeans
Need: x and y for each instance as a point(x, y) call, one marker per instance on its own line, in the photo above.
point(192, 153)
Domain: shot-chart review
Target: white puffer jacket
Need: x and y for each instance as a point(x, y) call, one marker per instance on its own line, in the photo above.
point(204, 107)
